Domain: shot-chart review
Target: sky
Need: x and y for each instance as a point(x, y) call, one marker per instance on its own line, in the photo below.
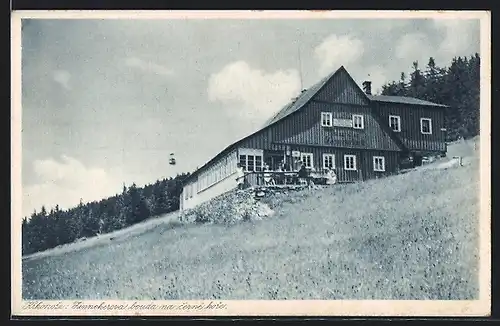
point(105, 102)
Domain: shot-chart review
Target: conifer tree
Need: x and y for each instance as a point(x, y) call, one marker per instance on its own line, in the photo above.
point(457, 86)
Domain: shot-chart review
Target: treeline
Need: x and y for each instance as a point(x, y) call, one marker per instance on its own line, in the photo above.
point(457, 86)
point(45, 230)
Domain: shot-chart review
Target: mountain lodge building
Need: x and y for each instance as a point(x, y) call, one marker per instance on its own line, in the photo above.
point(336, 125)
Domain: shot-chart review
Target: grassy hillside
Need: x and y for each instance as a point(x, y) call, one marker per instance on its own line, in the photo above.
point(411, 236)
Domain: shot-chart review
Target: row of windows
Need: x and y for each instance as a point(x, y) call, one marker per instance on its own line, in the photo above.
point(227, 166)
point(217, 172)
point(357, 120)
point(251, 163)
point(425, 124)
point(349, 162)
point(394, 122)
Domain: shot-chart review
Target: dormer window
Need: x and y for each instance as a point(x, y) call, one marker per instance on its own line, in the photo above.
point(326, 119)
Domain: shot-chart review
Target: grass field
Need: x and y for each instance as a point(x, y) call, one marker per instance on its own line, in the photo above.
point(411, 236)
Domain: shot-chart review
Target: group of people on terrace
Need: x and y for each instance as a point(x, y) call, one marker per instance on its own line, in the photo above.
point(284, 175)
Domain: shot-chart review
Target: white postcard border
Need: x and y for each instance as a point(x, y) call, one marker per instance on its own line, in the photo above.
point(480, 307)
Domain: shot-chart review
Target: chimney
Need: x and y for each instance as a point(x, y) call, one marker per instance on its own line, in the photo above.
point(367, 87)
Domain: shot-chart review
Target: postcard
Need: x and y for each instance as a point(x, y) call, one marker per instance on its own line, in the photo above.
point(251, 163)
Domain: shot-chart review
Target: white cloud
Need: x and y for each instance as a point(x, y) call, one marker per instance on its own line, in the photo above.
point(259, 92)
point(62, 77)
point(65, 182)
point(414, 47)
point(336, 51)
point(458, 37)
point(149, 67)
point(376, 74)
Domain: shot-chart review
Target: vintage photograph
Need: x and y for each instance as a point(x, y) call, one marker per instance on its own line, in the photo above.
point(176, 163)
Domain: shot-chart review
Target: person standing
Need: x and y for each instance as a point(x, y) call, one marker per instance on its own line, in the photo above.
point(303, 174)
point(240, 176)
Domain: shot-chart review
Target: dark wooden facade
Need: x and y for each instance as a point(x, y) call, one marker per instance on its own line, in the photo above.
point(341, 88)
point(302, 131)
point(410, 133)
point(364, 161)
point(303, 127)
point(298, 127)
point(313, 133)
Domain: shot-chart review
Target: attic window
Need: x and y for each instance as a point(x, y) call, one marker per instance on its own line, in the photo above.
point(326, 119)
point(357, 121)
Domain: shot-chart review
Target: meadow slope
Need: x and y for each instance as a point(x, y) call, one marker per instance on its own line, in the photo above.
point(410, 236)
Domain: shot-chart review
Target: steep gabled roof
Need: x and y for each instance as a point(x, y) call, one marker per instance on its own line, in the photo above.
point(301, 100)
point(306, 96)
point(403, 100)
point(288, 109)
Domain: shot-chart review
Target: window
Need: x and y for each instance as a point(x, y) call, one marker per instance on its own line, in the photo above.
point(426, 126)
point(258, 163)
point(379, 163)
point(243, 162)
point(251, 163)
point(357, 121)
point(350, 162)
point(307, 159)
point(395, 122)
point(191, 190)
point(326, 119)
point(328, 161)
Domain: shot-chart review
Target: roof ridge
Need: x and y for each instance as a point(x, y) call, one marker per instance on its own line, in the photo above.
point(309, 92)
point(306, 93)
point(410, 99)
